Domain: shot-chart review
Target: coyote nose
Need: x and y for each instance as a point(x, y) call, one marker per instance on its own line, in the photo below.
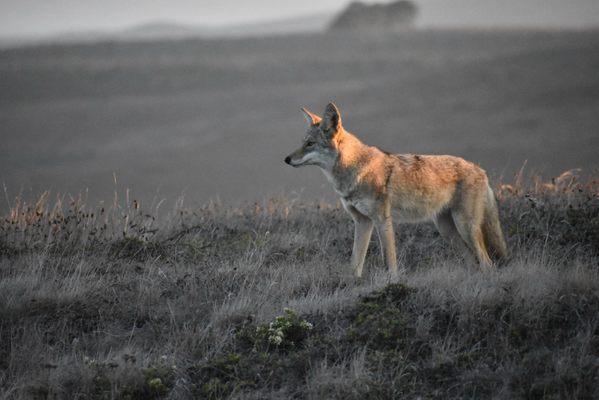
point(288, 160)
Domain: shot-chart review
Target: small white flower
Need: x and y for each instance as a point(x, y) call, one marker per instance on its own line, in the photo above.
point(276, 340)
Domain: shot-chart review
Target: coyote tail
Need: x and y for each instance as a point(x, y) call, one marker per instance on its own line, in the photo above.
point(492, 228)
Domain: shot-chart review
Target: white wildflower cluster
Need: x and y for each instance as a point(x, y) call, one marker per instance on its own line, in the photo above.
point(275, 336)
point(90, 362)
point(306, 325)
point(276, 332)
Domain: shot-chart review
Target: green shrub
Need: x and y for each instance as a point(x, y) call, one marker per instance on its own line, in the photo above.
point(380, 320)
point(285, 332)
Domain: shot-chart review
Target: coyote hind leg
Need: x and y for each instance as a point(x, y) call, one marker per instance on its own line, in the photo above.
point(470, 230)
point(449, 232)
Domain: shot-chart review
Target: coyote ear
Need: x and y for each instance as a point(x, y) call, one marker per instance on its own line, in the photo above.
point(332, 118)
point(311, 119)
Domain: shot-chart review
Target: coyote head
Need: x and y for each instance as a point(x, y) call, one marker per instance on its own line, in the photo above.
point(319, 146)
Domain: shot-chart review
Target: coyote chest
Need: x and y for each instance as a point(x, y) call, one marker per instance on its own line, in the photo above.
point(354, 193)
point(364, 205)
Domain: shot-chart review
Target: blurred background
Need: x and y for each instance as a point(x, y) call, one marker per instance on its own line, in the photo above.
point(202, 98)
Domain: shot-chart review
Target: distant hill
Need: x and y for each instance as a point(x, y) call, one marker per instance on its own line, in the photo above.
point(302, 24)
point(380, 17)
point(158, 30)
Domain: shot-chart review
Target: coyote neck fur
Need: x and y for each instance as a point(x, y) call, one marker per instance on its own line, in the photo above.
point(352, 164)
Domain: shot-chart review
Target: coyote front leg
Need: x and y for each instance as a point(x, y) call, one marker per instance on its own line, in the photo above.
point(387, 235)
point(362, 233)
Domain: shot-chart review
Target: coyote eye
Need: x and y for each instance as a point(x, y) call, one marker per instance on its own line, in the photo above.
point(310, 144)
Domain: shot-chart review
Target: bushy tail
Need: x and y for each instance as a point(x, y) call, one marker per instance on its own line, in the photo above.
point(492, 228)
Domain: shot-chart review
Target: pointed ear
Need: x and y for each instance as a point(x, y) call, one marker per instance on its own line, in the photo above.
point(311, 119)
point(331, 118)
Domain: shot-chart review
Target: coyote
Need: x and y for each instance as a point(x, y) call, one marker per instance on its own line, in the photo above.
point(450, 191)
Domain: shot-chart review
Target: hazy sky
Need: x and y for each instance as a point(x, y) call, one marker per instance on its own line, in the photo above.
point(38, 17)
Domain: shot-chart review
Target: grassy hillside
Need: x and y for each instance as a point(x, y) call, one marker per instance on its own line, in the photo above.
point(217, 117)
point(127, 300)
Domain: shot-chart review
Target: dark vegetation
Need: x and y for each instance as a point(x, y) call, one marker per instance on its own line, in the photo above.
point(376, 18)
point(121, 301)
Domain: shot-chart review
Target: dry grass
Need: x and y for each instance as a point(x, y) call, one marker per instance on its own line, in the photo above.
point(112, 302)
